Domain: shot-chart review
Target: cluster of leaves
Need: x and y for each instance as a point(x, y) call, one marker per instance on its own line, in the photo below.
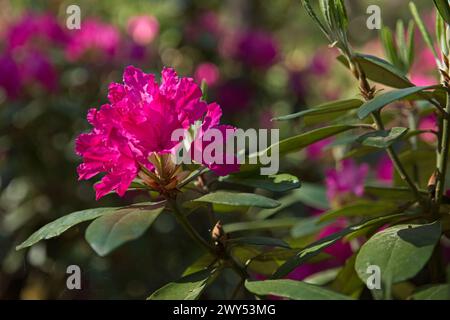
point(401, 225)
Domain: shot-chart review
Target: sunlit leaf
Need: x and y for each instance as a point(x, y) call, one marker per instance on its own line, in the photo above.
point(259, 241)
point(111, 231)
point(295, 290)
point(324, 109)
point(437, 292)
point(382, 138)
point(400, 251)
point(238, 199)
point(189, 287)
point(60, 225)
point(277, 183)
point(386, 98)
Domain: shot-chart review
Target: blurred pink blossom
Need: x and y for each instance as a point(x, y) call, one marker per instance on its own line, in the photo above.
point(385, 170)
point(256, 48)
point(428, 123)
point(347, 180)
point(234, 95)
point(143, 29)
point(37, 28)
point(207, 71)
point(94, 37)
point(315, 150)
point(10, 78)
point(26, 57)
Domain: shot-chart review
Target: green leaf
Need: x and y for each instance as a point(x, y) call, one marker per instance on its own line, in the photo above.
point(382, 138)
point(315, 248)
point(444, 9)
point(387, 39)
point(189, 287)
point(202, 263)
point(245, 255)
point(306, 4)
point(276, 183)
point(259, 241)
point(381, 71)
point(322, 278)
point(313, 195)
point(326, 108)
point(307, 226)
point(260, 225)
point(390, 193)
point(441, 34)
point(295, 290)
point(238, 199)
point(423, 30)
point(410, 53)
point(438, 292)
point(361, 208)
point(111, 231)
point(402, 46)
point(60, 225)
point(347, 281)
point(400, 252)
point(303, 140)
point(384, 99)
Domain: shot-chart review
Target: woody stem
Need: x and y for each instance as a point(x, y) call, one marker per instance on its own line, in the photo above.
point(181, 218)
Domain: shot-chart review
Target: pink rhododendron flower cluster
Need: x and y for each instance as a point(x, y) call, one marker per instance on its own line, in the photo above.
point(139, 121)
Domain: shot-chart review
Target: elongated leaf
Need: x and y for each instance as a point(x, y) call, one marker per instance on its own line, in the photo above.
point(381, 71)
point(60, 225)
point(189, 287)
point(361, 209)
point(387, 39)
point(411, 42)
point(303, 140)
point(277, 183)
point(238, 199)
point(260, 225)
point(400, 252)
point(313, 195)
point(347, 281)
point(307, 226)
point(322, 278)
point(382, 138)
point(111, 231)
point(384, 99)
point(296, 290)
point(390, 193)
point(330, 107)
point(423, 30)
point(202, 263)
point(438, 292)
point(244, 255)
point(444, 9)
point(306, 4)
point(315, 248)
point(259, 241)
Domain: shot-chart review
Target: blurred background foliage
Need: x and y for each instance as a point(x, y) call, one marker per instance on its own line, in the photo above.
point(260, 59)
